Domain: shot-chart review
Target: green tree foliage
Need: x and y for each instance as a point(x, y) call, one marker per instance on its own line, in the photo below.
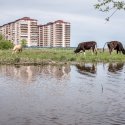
point(23, 42)
point(110, 5)
point(5, 44)
point(1, 37)
point(107, 5)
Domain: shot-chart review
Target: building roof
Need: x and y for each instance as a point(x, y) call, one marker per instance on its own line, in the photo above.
point(51, 23)
point(26, 18)
point(60, 21)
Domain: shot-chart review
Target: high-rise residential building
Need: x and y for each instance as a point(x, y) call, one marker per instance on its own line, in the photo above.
point(53, 34)
point(24, 28)
point(27, 28)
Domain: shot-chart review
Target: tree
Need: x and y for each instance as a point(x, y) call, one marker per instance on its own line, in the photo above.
point(23, 42)
point(5, 44)
point(1, 37)
point(108, 5)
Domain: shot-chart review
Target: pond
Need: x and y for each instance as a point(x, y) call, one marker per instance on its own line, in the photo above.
point(82, 94)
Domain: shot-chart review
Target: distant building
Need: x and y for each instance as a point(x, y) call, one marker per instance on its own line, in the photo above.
point(53, 34)
point(24, 28)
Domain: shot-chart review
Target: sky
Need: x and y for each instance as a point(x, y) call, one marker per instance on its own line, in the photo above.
point(87, 24)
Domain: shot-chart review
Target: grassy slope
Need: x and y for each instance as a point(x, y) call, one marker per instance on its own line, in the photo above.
point(56, 54)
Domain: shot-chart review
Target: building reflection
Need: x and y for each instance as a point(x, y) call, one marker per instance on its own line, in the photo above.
point(57, 71)
point(87, 69)
point(114, 67)
point(28, 73)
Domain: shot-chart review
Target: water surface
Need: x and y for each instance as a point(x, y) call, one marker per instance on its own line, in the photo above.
point(85, 94)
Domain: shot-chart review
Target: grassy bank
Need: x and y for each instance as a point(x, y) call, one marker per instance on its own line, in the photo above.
point(56, 55)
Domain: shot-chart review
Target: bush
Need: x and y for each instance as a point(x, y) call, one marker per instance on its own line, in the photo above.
point(23, 42)
point(5, 44)
point(1, 37)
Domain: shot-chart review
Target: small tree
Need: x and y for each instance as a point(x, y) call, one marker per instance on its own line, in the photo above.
point(5, 44)
point(23, 42)
point(1, 37)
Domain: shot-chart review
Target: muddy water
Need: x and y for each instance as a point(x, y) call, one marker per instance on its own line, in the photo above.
point(86, 94)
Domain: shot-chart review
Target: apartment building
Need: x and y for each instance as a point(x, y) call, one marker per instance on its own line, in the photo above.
point(27, 28)
point(24, 28)
point(53, 34)
point(45, 35)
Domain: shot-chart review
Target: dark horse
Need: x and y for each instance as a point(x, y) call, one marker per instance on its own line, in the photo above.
point(86, 46)
point(115, 45)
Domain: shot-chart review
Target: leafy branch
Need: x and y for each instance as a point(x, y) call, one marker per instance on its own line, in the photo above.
point(108, 5)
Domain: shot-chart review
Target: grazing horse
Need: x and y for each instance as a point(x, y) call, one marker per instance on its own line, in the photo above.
point(17, 48)
point(86, 46)
point(115, 45)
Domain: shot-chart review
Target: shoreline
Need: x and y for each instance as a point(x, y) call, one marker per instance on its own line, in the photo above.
point(42, 63)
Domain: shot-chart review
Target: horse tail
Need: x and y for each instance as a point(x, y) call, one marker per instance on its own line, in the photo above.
point(104, 46)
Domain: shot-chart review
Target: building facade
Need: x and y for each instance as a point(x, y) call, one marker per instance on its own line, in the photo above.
point(53, 34)
point(24, 28)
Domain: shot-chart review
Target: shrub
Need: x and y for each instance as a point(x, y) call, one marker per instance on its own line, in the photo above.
point(23, 42)
point(1, 37)
point(5, 44)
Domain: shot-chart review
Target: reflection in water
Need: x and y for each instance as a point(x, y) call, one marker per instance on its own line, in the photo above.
point(86, 69)
point(60, 95)
point(28, 73)
point(114, 67)
point(61, 71)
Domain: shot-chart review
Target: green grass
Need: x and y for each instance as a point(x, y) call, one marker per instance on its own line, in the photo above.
point(38, 56)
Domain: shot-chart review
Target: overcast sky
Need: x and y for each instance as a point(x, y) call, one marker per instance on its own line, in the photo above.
point(86, 22)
